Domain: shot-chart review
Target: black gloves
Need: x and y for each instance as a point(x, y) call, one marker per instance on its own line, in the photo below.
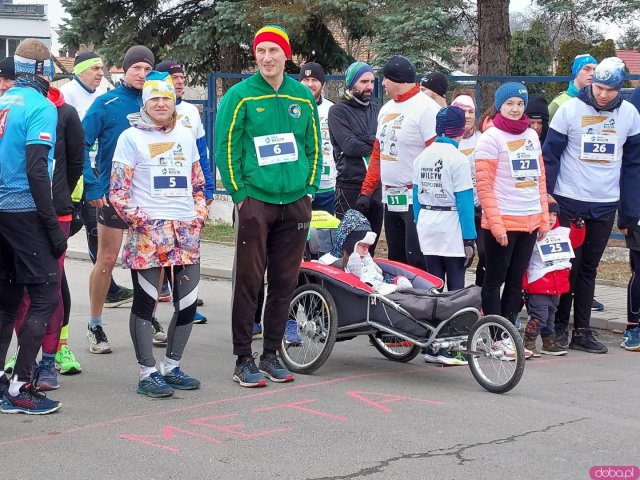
point(363, 203)
point(57, 239)
point(469, 252)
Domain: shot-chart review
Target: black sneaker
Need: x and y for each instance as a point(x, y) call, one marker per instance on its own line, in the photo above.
point(586, 340)
point(596, 306)
point(122, 296)
point(562, 337)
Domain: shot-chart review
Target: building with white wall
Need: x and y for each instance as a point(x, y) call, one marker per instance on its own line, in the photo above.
point(20, 21)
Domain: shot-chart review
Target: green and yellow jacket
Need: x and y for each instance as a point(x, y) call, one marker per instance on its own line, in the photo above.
point(251, 109)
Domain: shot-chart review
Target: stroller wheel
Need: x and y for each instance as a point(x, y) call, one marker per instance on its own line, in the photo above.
point(394, 348)
point(316, 317)
point(496, 354)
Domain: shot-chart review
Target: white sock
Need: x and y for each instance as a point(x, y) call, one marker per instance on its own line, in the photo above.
point(168, 364)
point(14, 386)
point(146, 371)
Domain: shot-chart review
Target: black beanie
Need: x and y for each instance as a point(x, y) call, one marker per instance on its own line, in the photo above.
point(399, 69)
point(138, 53)
point(82, 56)
point(312, 70)
point(169, 66)
point(537, 107)
point(8, 68)
point(436, 82)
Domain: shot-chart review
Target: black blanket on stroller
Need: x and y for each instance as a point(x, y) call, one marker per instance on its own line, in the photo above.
point(427, 306)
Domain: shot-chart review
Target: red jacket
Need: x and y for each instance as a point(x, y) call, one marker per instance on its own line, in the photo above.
point(557, 282)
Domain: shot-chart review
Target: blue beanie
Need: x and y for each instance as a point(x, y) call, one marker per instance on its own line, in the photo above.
point(354, 72)
point(450, 122)
point(609, 72)
point(580, 61)
point(508, 90)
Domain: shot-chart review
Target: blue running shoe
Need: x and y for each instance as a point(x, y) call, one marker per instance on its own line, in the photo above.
point(28, 401)
point(271, 367)
point(199, 319)
point(154, 386)
point(46, 377)
point(257, 331)
point(291, 336)
point(176, 378)
point(631, 340)
point(248, 375)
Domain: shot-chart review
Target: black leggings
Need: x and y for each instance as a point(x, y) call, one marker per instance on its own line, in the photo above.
point(480, 267)
point(66, 300)
point(505, 265)
point(44, 300)
point(402, 238)
point(450, 267)
point(145, 296)
point(633, 292)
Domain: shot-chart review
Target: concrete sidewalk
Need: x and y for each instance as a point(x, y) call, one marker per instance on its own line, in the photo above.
point(217, 262)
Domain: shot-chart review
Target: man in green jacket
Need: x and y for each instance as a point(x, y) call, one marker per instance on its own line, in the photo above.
point(268, 152)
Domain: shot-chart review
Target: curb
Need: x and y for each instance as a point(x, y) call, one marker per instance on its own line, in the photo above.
point(205, 272)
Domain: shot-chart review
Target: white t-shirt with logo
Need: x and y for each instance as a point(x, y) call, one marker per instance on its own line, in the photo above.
point(328, 176)
point(161, 161)
point(467, 146)
point(79, 97)
point(403, 130)
point(189, 117)
point(440, 171)
point(591, 162)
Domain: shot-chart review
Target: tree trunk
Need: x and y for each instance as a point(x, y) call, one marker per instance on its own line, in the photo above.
point(494, 38)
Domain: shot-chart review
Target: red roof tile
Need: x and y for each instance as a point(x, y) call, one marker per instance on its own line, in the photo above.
point(631, 58)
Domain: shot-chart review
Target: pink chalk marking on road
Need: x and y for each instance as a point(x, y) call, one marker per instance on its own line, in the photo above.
point(362, 396)
point(167, 434)
point(233, 428)
point(298, 406)
point(158, 412)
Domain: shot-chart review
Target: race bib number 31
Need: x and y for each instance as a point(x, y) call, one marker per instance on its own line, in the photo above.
point(277, 148)
point(397, 199)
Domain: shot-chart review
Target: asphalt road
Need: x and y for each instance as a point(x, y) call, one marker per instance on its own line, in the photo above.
point(359, 416)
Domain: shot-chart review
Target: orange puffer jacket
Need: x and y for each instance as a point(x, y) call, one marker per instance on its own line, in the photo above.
point(492, 164)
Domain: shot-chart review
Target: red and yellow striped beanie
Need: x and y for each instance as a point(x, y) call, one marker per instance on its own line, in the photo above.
point(275, 34)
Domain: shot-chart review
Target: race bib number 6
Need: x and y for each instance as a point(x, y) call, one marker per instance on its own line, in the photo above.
point(277, 148)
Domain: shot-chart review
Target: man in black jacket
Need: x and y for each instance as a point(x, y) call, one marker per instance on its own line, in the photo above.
point(353, 121)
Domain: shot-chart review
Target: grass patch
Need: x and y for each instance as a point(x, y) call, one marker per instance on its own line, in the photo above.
point(219, 233)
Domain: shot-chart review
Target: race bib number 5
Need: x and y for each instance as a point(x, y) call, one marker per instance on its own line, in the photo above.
point(170, 181)
point(277, 148)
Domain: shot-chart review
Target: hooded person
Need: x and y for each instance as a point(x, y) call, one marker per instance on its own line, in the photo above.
point(157, 188)
point(29, 229)
point(406, 125)
point(591, 155)
point(582, 70)
point(105, 120)
point(538, 113)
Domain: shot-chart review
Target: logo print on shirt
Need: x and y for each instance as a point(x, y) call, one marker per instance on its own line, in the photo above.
point(438, 166)
point(260, 109)
point(294, 110)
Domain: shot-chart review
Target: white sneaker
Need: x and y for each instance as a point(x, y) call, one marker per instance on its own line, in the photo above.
point(98, 342)
point(159, 337)
point(504, 350)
